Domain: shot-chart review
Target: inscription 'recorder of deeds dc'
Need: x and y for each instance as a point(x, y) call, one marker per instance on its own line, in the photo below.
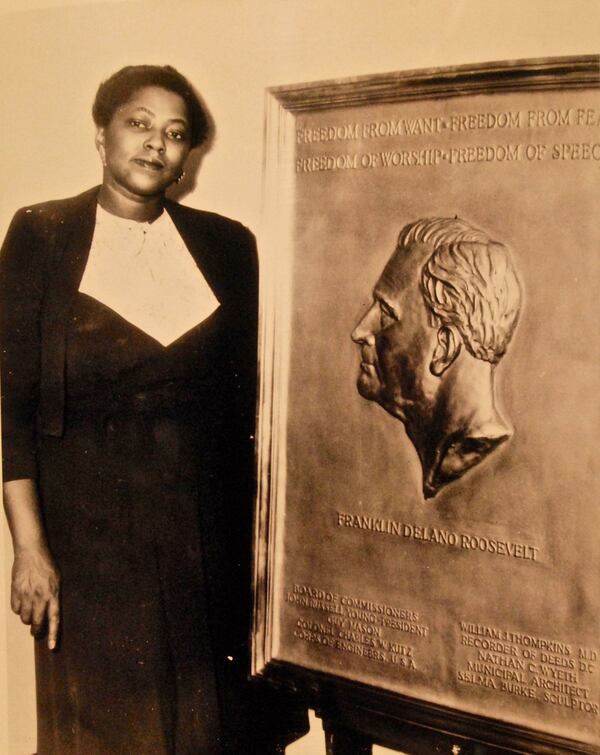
point(524, 665)
point(455, 123)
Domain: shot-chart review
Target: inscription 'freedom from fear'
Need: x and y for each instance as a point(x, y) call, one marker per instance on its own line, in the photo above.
point(457, 123)
point(443, 130)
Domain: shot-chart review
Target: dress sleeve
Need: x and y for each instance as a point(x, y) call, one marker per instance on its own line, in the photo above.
point(21, 290)
point(246, 297)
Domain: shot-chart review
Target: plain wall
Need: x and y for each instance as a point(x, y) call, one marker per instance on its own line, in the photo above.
point(53, 56)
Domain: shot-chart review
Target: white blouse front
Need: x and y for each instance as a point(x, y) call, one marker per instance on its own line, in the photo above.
point(145, 273)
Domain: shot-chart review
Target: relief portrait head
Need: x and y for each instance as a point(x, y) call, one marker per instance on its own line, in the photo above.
point(444, 311)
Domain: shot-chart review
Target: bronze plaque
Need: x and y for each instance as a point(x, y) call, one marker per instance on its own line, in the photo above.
point(429, 509)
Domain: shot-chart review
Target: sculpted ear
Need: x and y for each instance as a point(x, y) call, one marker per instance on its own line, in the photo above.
point(446, 350)
point(100, 144)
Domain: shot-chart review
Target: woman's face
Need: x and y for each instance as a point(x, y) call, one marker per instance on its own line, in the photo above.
point(145, 145)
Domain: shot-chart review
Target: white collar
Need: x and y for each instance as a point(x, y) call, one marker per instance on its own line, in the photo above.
point(145, 273)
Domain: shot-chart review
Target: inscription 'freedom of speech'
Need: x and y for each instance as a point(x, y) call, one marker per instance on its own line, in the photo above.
point(464, 155)
point(442, 131)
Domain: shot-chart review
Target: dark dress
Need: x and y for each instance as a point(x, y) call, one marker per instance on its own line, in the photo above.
point(146, 484)
point(123, 493)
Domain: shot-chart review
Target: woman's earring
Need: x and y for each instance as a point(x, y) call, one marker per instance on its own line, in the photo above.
point(180, 178)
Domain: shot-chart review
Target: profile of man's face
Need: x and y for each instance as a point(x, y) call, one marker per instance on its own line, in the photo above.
point(395, 336)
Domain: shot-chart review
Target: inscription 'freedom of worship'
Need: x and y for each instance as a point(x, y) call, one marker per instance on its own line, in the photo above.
point(585, 119)
point(464, 155)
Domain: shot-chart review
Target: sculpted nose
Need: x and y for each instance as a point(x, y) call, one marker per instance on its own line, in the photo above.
point(364, 331)
point(358, 334)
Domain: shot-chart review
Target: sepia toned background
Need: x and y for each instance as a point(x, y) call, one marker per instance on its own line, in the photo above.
point(53, 56)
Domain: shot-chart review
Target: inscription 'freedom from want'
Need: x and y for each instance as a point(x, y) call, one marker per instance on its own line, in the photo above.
point(456, 123)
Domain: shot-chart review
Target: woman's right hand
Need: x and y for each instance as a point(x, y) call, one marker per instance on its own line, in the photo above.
point(35, 591)
point(35, 578)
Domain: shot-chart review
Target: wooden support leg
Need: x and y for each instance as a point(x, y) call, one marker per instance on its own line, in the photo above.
point(340, 740)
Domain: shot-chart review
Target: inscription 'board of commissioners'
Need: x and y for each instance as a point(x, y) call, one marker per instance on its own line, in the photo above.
point(552, 672)
point(381, 633)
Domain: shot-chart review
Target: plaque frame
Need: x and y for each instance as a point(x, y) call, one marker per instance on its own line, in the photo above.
point(387, 718)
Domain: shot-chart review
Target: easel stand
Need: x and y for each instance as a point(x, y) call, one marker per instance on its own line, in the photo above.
point(355, 717)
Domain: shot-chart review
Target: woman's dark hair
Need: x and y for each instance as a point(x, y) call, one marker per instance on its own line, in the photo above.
point(122, 85)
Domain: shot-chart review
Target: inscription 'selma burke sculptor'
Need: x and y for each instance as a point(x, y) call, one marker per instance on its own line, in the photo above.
point(444, 310)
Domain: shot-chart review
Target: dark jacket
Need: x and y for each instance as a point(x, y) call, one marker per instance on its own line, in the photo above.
point(41, 265)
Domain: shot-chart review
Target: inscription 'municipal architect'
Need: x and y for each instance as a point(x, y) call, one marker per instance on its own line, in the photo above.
point(444, 310)
point(548, 671)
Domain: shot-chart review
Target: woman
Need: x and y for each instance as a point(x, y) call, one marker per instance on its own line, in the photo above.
point(128, 346)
